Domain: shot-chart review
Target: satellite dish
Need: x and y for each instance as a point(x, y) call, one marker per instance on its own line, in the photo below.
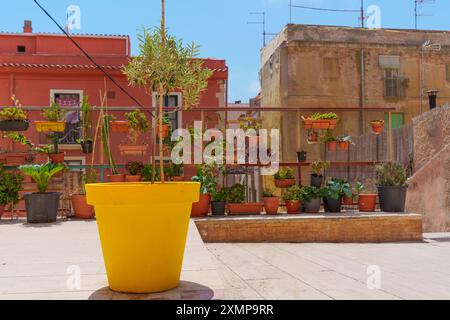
point(73, 18)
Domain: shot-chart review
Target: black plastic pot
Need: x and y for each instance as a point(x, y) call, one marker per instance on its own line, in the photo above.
point(312, 206)
point(218, 208)
point(301, 156)
point(87, 147)
point(332, 205)
point(14, 125)
point(42, 207)
point(316, 180)
point(392, 199)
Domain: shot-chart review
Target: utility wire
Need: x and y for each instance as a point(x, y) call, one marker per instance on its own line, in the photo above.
point(323, 9)
point(89, 57)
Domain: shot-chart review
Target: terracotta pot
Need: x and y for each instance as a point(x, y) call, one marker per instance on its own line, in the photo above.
point(367, 202)
point(80, 207)
point(244, 208)
point(285, 183)
point(2, 209)
point(319, 124)
point(119, 126)
point(201, 208)
point(165, 131)
point(313, 137)
point(344, 145)
point(135, 178)
point(293, 207)
point(177, 179)
point(332, 145)
point(116, 178)
point(271, 205)
point(347, 201)
point(377, 126)
point(57, 158)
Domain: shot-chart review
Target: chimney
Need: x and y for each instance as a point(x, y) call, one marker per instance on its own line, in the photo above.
point(28, 26)
point(432, 97)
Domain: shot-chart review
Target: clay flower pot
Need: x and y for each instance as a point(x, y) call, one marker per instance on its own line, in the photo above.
point(367, 202)
point(80, 207)
point(313, 137)
point(119, 126)
point(244, 208)
point(271, 205)
point(347, 201)
point(293, 207)
point(285, 183)
point(332, 145)
point(377, 126)
point(344, 145)
point(116, 178)
point(57, 158)
point(165, 131)
point(135, 178)
point(201, 208)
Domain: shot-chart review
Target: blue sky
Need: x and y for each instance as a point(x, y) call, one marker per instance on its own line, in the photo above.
point(219, 26)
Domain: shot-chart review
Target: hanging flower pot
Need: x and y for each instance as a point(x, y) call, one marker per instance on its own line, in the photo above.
point(344, 145)
point(50, 126)
point(332, 145)
point(313, 137)
point(118, 126)
point(57, 157)
point(320, 122)
point(284, 183)
point(165, 131)
point(377, 126)
point(301, 156)
point(129, 150)
point(87, 146)
point(15, 126)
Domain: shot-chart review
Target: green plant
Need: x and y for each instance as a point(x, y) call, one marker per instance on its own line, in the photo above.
point(345, 138)
point(337, 188)
point(327, 136)
point(10, 185)
point(206, 177)
point(267, 193)
point(86, 117)
point(20, 138)
point(221, 195)
point(293, 193)
point(284, 174)
point(318, 167)
point(359, 188)
point(106, 144)
point(147, 173)
point(42, 173)
point(135, 168)
point(391, 174)
point(237, 194)
point(54, 113)
point(324, 116)
point(175, 170)
point(138, 124)
point(310, 193)
point(14, 113)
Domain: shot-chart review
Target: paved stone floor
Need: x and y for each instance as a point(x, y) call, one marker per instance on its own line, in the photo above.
point(35, 260)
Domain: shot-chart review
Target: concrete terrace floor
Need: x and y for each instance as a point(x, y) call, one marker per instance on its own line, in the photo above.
point(34, 262)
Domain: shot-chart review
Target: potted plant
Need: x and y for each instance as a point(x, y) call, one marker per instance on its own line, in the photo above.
point(81, 208)
point(317, 172)
point(321, 121)
point(42, 207)
point(344, 142)
point(284, 178)
point(55, 119)
point(138, 125)
point(165, 127)
point(13, 119)
point(367, 201)
point(236, 202)
point(86, 118)
point(292, 199)
point(147, 173)
point(301, 156)
point(392, 187)
point(330, 140)
point(134, 170)
point(333, 193)
point(271, 202)
point(313, 136)
point(205, 176)
point(118, 126)
point(10, 185)
point(219, 201)
point(311, 199)
point(377, 126)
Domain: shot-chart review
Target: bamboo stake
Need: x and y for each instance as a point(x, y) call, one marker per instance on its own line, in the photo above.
point(161, 94)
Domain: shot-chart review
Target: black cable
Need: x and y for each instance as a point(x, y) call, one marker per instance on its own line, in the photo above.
point(89, 57)
point(324, 9)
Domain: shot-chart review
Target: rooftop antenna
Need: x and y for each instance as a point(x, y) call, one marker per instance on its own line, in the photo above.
point(417, 6)
point(359, 11)
point(263, 23)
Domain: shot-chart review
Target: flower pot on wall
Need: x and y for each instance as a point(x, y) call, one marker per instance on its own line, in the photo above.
point(316, 180)
point(201, 208)
point(377, 126)
point(15, 158)
point(293, 207)
point(118, 126)
point(87, 147)
point(319, 124)
point(165, 131)
point(57, 157)
point(14, 125)
point(130, 150)
point(80, 207)
point(218, 208)
point(42, 207)
point(392, 199)
point(144, 252)
point(312, 206)
point(367, 202)
point(244, 208)
point(271, 205)
point(284, 183)
point(332, 205)
point(50, 126)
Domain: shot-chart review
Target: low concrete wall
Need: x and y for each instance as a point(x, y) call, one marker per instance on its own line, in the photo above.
point(429, 193)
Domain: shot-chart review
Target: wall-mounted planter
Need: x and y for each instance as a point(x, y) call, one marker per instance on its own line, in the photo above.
point(50, 126)
point(165, 131)
point(87, 147)
point(301, 156)
point(377, 126)
point(144, 252)
point(319, 124)
point(15, 158)
point(316, 180)
point(332, 145)
point(118, 126)
point(130, 150)
point(285, 183)
point(244, 208)
point(14, 125)
point(57, 157)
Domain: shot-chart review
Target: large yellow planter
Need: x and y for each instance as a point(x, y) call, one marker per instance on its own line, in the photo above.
point(143, 229)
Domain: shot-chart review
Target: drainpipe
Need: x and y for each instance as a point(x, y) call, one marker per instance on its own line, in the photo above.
point(363, 95)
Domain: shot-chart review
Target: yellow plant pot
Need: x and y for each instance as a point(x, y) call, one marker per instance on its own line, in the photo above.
point(50, 126)
point(143, 229)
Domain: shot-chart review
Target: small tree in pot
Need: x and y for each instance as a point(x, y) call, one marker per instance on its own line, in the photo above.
point(10, 185)
point(42, 207)
point(333, 193)
point(271, 202)
point(392, 187)
point(317, 171)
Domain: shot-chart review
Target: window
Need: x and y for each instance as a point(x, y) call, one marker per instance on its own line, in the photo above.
point(398, 120)
point(394, 84)
point(21, 49)
point(171, 100)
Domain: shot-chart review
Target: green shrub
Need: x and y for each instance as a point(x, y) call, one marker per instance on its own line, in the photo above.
point(293, 193)
point(220, 196)
point(324, 116)
point(135, 168)
point(318, 167)
point(311, 193)
point(391, 174)
point(42, 173)
point(54, 113)
point(237, 194)
point(284, 174)
point(267, 193)
point(10, 185)
point(12, 114)
point(337, 188)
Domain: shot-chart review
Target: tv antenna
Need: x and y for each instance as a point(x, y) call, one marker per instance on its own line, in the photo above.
point(417, 6)
point(263, 23)
point(361, 11)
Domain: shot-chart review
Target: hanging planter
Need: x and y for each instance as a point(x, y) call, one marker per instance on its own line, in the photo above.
point(377, 126)
point(50, 126)
point(118, 126)
point(284, 178)
point(15, 126)
point(344, 145)
point(313, 137)
point(13, 119)
point(128, 150)
point(326, 121)
point(87, 147)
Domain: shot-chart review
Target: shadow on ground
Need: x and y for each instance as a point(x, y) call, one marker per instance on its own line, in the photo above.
point(185, 291)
